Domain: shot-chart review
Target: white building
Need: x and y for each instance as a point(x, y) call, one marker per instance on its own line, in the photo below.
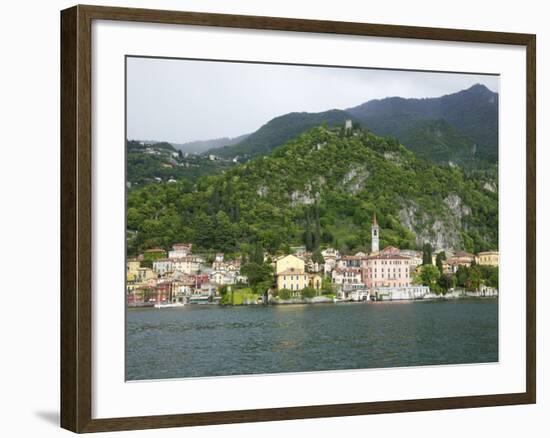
point(188, 265)
point(414, 292)
point(223, 277)
point(331, 256)
point(347, 276)
point(180, 250)
point(163, 266)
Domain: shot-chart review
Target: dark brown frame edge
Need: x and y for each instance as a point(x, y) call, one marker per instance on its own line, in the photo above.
point(76, 190)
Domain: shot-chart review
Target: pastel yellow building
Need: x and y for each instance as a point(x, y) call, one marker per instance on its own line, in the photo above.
point(144, 274)
point(292, 279)
point(132, 269)
point(488, 258)
point(288, 263)
point(290, 274)
point(296, 280)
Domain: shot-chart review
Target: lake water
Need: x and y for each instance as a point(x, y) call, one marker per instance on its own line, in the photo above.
point(210, 340)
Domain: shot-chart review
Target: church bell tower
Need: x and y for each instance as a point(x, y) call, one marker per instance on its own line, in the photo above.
point(375, 235)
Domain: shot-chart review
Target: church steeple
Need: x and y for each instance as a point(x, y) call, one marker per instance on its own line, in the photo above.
point(375, 235)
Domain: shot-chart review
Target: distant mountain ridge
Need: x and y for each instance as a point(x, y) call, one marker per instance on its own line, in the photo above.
point(200, 146)
point(461, 127)
point(472, 112)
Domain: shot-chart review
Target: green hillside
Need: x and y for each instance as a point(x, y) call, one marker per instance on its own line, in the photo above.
point(161, 162)
point(322, 189)
point(280, 130)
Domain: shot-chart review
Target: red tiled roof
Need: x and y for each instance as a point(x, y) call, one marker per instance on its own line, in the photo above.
point(387, 257)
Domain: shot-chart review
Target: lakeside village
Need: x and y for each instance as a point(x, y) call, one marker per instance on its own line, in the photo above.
point(160, 279)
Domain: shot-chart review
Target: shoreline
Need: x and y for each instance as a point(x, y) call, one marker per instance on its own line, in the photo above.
point(314, 301)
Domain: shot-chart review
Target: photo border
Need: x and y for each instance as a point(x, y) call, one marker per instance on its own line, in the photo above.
point(76, 217)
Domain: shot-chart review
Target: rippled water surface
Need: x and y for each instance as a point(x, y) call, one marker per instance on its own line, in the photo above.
point(208, 340)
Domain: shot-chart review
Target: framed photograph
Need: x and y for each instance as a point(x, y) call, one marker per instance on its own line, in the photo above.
point(271, 218)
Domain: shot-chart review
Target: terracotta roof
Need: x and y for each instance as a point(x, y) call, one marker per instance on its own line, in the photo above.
point(463, 254)
point(390, 249)
point(387, 257)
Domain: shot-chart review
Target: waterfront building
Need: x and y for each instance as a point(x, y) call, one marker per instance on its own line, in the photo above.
point(386, 270)
point(375, 235)
point(140, 295)
point(414, 292)
point(488, 258)
point(346, 275)
point(289, 263)
point(181, 291)
point(297, 280)
point(163, 292)
point(353, 292)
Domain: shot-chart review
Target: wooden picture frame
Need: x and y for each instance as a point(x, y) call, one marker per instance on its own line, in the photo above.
point(76, 218)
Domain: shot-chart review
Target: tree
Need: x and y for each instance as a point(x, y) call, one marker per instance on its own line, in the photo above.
point(474, 278)
point(439, 260)
point(427, 254)
point(317, 231)
point(308, 292)
point(327, 288)
point(258, 274)
point(257, 254)
point(429, 275)
point(317, 257)
point(308, 235)
point(284, 294)
point(446, 282)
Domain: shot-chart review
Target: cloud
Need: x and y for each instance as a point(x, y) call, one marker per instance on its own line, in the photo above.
point(183, 100)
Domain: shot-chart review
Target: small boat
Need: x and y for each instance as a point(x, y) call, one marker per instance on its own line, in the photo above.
point(168, 305)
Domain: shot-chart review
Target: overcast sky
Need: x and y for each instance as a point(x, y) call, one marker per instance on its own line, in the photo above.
point(181, 100)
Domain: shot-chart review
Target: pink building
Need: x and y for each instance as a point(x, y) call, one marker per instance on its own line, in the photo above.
point(387, 270)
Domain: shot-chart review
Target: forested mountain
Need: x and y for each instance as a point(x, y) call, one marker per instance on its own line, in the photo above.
point(322, 188)
point(461, 128)
point(472, 112)
point(280, 130)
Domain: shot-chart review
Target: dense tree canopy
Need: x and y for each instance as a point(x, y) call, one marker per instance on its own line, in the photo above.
point(320, 189)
